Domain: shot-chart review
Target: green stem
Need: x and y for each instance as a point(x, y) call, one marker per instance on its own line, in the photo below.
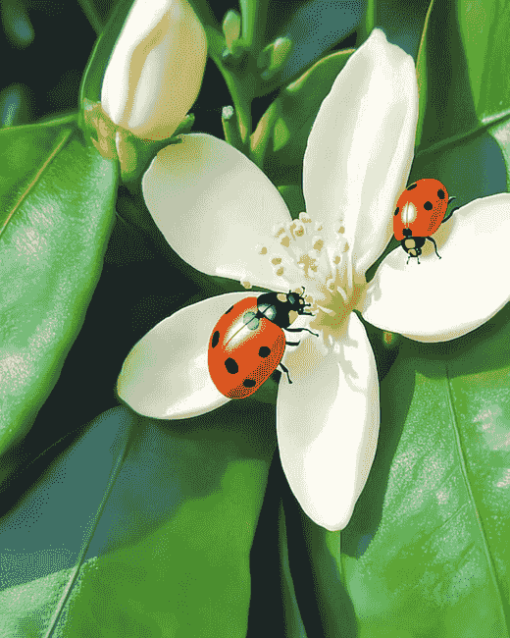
point(253, 23)
point(92, 15)
point(368, 24)
point(241, 87)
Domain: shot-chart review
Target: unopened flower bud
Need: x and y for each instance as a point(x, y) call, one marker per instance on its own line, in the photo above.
point(156, 68)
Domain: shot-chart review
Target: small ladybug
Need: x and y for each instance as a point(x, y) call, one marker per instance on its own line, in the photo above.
point(420, 211)
point(248, 342)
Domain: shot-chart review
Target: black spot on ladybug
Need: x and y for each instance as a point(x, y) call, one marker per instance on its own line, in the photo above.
point(227, 311)
point(427, 205)
point(410, 188)
point(215, 339)
point(396, 210)
point(440, 193)
point(231, 366)
point(264, 352)
point(249, 383)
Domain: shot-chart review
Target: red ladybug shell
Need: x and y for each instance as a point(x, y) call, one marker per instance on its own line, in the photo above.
point(243, 350)
point(421, 209)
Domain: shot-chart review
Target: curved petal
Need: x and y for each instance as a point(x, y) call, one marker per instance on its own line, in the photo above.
point(442, 299)
point(166, 375)
point(361, 146)
point(328, 423)
point(216, 209)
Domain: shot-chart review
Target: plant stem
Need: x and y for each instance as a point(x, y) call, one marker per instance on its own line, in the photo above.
point(92, 15)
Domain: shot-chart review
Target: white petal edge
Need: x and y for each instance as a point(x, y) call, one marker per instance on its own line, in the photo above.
point(442, 299)
point(328, 424)
point(166, 375)
point(156, 68)
point(361, 147)
point(216, 209)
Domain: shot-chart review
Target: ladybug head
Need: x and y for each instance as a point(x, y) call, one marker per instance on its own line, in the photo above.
point(413, 245)
point(297, 302)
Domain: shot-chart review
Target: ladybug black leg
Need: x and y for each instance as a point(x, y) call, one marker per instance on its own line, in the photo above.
point(435, 246)
point(301, 330)
point(308, 314)
point(450, 214)
point(451, 199)
point(286, 370)
point(292, 343)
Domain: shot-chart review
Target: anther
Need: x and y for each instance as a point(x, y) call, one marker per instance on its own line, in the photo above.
point(278, 229)
point(276, 260)
point(346, 247)
point(285, 241)
point(318, 243)
point(337, 259)
point(299, 229)
point(262, 250)
point(318, 226)
point(279, 271)
point(305, 218)
point(340, 230)
point(245, 284)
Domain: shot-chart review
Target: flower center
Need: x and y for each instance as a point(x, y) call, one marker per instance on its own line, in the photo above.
point(317, 257)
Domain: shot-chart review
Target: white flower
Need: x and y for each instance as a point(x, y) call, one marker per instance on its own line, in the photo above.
point(156, 68)
point(223, 216)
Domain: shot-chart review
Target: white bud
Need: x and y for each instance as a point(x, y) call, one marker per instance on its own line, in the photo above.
point(156, 68)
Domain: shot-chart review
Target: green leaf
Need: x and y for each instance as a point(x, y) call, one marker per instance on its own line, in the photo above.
point(465, 57)
point(426, 552)
point(279, 141)
point(141, 528)
point(56, 214)
point(484, 28)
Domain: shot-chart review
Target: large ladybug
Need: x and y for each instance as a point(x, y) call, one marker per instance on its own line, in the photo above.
point(248, 342)
point(420, 210)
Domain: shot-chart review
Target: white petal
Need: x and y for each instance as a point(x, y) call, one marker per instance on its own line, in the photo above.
point(442, 299)
point(166, 374)
point(361, 146)
point(328, 423)
point(156, 68)
point(215, 207)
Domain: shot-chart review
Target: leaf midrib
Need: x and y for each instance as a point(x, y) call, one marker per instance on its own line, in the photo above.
point(111, 481)
point(462, 460)
point(62, 141)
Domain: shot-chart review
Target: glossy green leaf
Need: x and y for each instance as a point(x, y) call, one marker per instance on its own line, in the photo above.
point(484, 28)
point(56, 214)
point(464, 58)
point(141, 528)
point(279, 141)
point(426, 552)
